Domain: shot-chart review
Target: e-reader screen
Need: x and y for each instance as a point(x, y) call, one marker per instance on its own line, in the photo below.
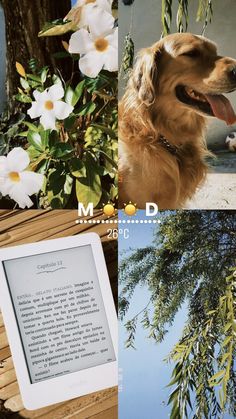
point(60, 312)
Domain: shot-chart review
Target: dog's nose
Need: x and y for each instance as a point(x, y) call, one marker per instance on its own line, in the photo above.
point(233, 74)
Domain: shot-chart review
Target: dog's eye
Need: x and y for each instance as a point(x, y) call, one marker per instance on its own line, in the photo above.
point(193, 53)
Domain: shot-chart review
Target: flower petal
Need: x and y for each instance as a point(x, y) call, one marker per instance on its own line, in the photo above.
point(40, 96)
point(56, 92)
point(5, 185)
point(90, 8)
point(3, 165)
point(80, 42)
point(91, 63)
point(48, 120)
point(62, 110)
point(100, 23)
point(105, 5)
point(111, 59)
point(36, 110)
point(112, 38)
point(19, 195)
point(31, 182)
point(17, 160)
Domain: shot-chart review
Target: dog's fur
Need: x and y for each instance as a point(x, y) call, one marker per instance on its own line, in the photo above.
point(149, 108)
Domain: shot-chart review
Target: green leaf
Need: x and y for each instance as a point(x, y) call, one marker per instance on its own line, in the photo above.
point(77, 167)
point(24, 83)
point(31, 126)
point(228, 326)
point(35, 140)
point(53, 139)
point(216, 376)
point(23, 98)
point(227, 341)
point(34, 78)
point(60, 187)
point(62, 151)
point(224, 358)
point(73, 96)
point(88, 189)
point(69, 122)
point(87, 109)
point(69, 94)
point(79, 90)
point(3, 145)
point(106, 130)
point(175, 412)
point(56, 179)
point(174, 395)
point(44, 75)
point(33, 153)
point(56, 28)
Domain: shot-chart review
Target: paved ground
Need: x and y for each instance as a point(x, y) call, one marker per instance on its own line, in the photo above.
point(218, 192)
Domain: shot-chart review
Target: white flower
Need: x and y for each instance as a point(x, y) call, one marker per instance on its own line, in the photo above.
point(99, 47)
point(17, 182)
point(49, 107)
point(84, 8)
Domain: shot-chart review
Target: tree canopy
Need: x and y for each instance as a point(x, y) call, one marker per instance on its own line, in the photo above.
point(192, 260)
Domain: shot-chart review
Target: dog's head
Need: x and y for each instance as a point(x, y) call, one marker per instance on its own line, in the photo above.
point(185, 69)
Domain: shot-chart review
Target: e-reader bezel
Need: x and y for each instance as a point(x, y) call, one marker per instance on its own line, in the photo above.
point(71, 385)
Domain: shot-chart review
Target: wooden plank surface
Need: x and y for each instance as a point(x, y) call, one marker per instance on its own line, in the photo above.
point(19, 227)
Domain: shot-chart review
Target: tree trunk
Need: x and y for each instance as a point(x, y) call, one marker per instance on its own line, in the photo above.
point(24, 19)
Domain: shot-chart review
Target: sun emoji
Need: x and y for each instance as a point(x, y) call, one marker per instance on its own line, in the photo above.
point(130, 208)
point(109, 209)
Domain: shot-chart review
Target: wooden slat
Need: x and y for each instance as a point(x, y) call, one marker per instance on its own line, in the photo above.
point(33, 414)
point(7, 378)
point(3, 340)
point(7, 365)
point(111, 413)
point(55, 224)
point(5, 353)
point(81, 404)
point(17, 227)
point(9, 391)
point(1, 320)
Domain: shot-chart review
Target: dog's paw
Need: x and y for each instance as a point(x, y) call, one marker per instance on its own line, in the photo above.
point(231, 141)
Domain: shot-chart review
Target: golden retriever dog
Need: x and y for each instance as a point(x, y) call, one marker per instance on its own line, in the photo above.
point(175, 86)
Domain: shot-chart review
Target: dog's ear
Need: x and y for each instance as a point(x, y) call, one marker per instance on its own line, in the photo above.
point(145, 75)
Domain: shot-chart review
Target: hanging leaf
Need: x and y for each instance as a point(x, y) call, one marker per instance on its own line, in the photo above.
point(128, 56)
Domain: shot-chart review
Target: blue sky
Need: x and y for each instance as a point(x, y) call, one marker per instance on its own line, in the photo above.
point(143, 373)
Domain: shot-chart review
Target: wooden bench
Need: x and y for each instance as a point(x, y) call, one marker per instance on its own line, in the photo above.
point(18, 227)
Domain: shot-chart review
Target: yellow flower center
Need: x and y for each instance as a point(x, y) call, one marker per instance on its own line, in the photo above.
point(101, 44)
point(49, 105)
point(90, 1)
point(14, 176)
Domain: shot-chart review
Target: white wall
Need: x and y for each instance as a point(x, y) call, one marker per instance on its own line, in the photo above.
point(147, 29)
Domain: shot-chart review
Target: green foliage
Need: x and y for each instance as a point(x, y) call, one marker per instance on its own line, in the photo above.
point(204, 14)
point(189, 263)
point(79, 159)
point(204, 361)
point(10, 126)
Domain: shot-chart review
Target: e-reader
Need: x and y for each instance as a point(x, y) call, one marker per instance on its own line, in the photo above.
point(60, 318)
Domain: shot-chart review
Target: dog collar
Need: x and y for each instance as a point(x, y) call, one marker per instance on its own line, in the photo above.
point(167, 145)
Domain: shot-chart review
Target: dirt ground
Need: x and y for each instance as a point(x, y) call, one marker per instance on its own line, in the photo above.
point(218, 192)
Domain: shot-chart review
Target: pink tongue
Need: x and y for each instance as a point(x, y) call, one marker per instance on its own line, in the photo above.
point(222, 108)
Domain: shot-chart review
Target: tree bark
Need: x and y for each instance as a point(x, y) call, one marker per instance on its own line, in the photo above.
point(24, 19)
